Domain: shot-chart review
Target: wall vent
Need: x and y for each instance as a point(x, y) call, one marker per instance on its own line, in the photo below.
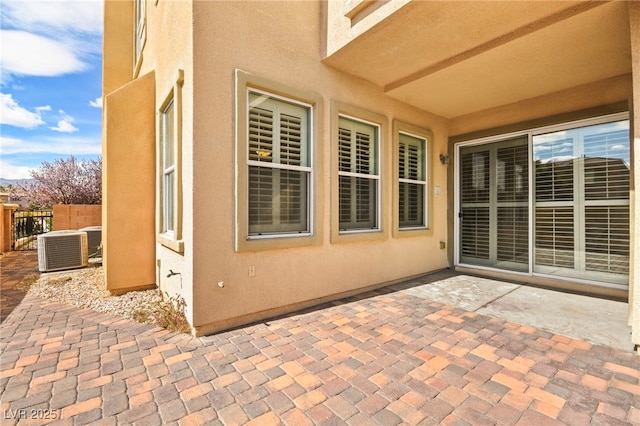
point(60, 250)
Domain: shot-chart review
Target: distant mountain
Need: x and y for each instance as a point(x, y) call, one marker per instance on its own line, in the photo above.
point(12, 182)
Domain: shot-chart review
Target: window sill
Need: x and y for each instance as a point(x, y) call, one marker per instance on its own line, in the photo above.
point(171, 244)
point(279, 242)
point(357, 236)
point(412, 232)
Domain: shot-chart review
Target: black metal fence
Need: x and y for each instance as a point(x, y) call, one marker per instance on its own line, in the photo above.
point(27, 226)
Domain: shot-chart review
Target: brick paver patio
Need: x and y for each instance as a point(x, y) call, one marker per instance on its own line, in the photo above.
point(382, 358)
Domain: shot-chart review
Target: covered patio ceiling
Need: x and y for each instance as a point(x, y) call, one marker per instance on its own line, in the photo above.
point(454, 58)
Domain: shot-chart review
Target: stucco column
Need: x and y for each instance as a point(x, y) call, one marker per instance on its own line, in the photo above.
point(5, 226)
point(128, 186)
point(634, 275)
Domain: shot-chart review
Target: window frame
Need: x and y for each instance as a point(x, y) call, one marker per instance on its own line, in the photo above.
point(373, 176)
point(426, 135)
point(170, 238)
point(245, 84)
point(383, 210)
point(168, 168)
point(139, 33)
point(281, 103)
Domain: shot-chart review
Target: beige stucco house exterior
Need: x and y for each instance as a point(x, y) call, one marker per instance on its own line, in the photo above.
point(260, 157)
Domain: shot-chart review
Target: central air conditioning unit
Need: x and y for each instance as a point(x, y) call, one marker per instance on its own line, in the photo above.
point(60, 250)
point(94, 238)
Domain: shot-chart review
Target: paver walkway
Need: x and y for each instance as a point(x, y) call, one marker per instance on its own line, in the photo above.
point(13, 267)
point(381, 358)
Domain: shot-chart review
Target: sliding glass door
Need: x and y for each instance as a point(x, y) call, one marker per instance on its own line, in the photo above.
point(494, 205)
point(548, 202)
point(582, 202)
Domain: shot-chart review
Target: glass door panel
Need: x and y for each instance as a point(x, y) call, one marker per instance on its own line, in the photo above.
point(582, 202)
point(494, 207)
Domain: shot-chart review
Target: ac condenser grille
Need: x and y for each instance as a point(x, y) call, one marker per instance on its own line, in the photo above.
point(94, 239)
point(62, 250)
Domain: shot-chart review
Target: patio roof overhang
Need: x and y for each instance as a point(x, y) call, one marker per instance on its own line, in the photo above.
point(454, 58)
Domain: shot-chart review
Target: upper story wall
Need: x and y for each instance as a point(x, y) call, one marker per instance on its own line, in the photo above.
point(165, 37)
point(117, 47)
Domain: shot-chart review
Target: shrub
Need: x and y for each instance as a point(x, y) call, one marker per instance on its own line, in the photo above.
point(167, 313)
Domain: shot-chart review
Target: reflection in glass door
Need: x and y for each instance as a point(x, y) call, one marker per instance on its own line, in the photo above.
point(582, 202)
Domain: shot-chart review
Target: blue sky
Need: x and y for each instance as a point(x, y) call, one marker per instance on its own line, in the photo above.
point(50, 82)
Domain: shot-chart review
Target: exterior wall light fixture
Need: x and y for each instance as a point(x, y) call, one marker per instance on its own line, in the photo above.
point(444, 159)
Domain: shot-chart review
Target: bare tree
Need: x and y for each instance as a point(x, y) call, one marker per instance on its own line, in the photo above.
point(67, 181)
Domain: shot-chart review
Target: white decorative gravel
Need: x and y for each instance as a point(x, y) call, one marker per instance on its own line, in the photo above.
point(85, 288)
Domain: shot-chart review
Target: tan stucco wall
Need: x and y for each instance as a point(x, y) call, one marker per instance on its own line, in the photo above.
point(117, 47)
point(76, 216)
point(128, 186)
point(266, 44)
point(168, 53)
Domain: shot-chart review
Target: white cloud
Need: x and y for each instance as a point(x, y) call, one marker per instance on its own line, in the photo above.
point(11, 171)
point(48, 37)
point(24, 53)
point(63, 145)
point(65, 125)
point(45, 15)
point(97, 103)
point(13, 114)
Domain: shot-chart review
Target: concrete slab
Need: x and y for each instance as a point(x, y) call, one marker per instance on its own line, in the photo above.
point(595, 320)
point(463, 291)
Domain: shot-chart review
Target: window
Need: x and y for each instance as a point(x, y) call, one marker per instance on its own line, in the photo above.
point(139, 28)
point(168, 168)
point(412, 183)
point(278, 185)
point(358, 175)
point(279, 166)
point(169, 181)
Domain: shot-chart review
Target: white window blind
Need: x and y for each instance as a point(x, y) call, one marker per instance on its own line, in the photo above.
point(607, 177)
point(512, 193)
point(411, 181)
point(358, 175)
point(606, 166)
point(580, 210)
point(554, 213)
point(494, 204)
point(555, 245)
point(474, 215)
point(607, 239)
point(582, 202)
point(278, 166)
